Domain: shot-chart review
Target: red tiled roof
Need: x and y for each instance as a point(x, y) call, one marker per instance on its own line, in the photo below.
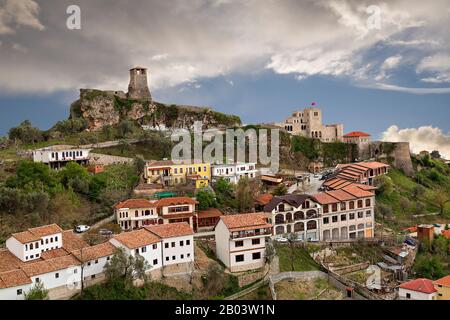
point(134, 204)
point(136, 239)
point(50, 265)
point(358, 192)
point(445, 281)
point(71, 241)
point(420, 285)
point(243, 221)
point(264, 198)
point(35, 234)
point(164, 202)
point(171, 230)
point(209, 213)
point(160, 163)
point(98, 251)
point(325, 198)
point(357, 134)
point(13, 278)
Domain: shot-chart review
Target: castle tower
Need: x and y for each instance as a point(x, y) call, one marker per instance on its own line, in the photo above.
point(138, 87)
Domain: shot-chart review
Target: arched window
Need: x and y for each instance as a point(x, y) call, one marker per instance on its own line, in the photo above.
point(352, 205)
point(367, 202)
point(311, 225)
point(288, 216)
point(310, 213)
point(279, 230)
point(360, 203)
point(279, 218)
point(136, 213)
point(299, 226)
point(299, 215)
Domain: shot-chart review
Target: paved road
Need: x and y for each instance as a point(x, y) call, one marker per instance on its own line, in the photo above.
point(310, 188)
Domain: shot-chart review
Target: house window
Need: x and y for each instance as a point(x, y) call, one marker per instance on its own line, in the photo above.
point(75, 271)
point(173, 257)
point(136, 251)
point(360, 203)
point(367, 202)
point(182, 256)
point(93, 276)
point(56, 275)
point(89, 263)
point(360, 215)
point(19, 292)
point(352, 216)
point(239, 258)
point(167, 258)
point(181, 243)
point(256, 255)
point(166, 245)
point(408, 296)
point(154, 246)
point(352, 205)
point(325, 208)
point(173, 244)
point(368, 213)
point(56, 239)
point(334, 207)
point(108, 258)
point(188, 242)
point(326, 220)
point(188, 255)
point(31, 246)
point(239, 244)
point(256, 241)
point(144, 249)
point(37, 280)
point(343, 206)
point(343, 217)
point(334, 219)
point(155, 262)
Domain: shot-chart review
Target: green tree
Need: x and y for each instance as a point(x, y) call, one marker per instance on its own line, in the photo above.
point(126, 268)
point(280, 190)
point(384, 184)
point(383, 210)
point(245, 195)
point(429, 266)
point(37, 292)
point(33, 175)
point(206, 199)
point(26, 133)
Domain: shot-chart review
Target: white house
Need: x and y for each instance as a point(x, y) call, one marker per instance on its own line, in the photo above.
point(135, 213)
point(29, 245)
point(59, 155)
point(140, 242)
point(234, 172)
point(241, 240)
point(177, 242)
point(417, 289)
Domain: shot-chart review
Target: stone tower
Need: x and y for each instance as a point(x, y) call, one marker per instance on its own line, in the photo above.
point(138, 87)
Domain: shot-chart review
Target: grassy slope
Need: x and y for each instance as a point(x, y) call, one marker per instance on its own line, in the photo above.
point(302, 261)
point(403, 187)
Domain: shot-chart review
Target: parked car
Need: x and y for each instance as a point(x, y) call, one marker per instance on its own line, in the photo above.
point(281, 239)
point(105, 232)
point(82, 228)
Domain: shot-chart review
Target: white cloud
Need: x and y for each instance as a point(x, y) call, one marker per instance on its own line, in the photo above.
point(390, 87)
point(438, 65)
point(423, 138)
point(16, 13)
point(181, 41)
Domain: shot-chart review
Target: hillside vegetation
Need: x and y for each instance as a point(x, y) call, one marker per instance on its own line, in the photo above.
point(400, 198)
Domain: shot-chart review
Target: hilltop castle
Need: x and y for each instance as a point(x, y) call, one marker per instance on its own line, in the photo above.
point(308, 123)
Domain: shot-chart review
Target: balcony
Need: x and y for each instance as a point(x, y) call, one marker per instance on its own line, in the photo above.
point(247, 234)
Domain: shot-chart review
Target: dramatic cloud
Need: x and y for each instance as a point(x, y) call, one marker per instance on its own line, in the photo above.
point(16, 13)
point(423, 138)
point(184, 41)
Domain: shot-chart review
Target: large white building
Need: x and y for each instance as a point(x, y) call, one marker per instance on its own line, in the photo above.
point(347, 213)
point(241, 240)
point(60, 267)
point(234, 172)
point(58, 156)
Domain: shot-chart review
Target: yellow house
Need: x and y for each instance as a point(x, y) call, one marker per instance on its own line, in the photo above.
point(168, 173)
point(443, 288)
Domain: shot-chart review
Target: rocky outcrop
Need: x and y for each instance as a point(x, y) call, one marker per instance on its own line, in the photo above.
point(101, 108)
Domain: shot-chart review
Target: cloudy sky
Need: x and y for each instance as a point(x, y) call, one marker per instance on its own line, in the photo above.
point(381, 67)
